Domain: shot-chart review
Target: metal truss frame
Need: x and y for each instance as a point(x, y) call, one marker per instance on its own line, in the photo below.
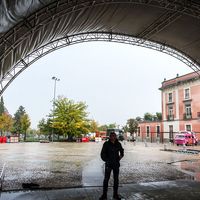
point(159, 24)
point(89, 37)
point(59, 8)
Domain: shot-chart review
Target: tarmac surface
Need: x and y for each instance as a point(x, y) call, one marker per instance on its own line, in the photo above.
point(71, 165)
point(160, 172)
point(179, 190)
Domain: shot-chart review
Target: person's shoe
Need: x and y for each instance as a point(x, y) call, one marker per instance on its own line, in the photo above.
point(116, 197)
point(103, 197)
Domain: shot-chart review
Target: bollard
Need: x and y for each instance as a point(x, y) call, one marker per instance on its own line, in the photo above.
point(184, 147)
point(165, 147)
point(145, 143)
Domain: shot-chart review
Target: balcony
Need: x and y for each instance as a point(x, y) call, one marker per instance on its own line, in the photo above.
point(187, 99)
point(170, 103)
point(187, 116)
point(170, 117)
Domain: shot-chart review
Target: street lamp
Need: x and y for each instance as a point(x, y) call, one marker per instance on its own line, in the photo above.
point(54, 97)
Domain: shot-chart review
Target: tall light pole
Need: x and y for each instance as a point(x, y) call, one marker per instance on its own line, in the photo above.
point(54, 97)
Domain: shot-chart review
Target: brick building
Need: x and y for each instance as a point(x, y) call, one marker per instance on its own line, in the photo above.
point(150, 131)
point(180, 110)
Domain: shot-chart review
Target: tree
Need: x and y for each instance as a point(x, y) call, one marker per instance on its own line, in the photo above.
point(2, 108)
point(42, 126)
point(45, 127)
point(17, 116)
point(33, 132)
point(25, 124)
point(6, 122)
point(159, 115)
point(103, 127)
point(70, 118)
point(93, 126)
point(125, 128)
point(114, 125)
point(148, 117)
point(106, 126)
point(131, 126)
point(139, 119)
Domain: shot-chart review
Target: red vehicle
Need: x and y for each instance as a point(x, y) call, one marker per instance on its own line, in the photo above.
point(85, 139)
point(186, 137)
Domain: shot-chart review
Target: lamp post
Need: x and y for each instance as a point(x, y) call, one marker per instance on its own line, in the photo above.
point(54, 97)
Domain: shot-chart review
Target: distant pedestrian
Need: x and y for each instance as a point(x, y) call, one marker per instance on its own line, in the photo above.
point(111, 154)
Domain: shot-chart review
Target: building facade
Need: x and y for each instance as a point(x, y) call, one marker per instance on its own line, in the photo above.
point(180, 98)
point(150, 131)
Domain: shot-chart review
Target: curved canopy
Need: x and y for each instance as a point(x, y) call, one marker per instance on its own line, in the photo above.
point(27, 25)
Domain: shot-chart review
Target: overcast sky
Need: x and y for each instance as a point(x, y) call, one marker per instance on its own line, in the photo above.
point(116, 81)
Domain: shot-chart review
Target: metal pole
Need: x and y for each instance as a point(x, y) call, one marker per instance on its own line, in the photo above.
point(54, 94)
point(54, 97)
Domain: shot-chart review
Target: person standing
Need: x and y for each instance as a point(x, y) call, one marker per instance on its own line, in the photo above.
point(111, 154)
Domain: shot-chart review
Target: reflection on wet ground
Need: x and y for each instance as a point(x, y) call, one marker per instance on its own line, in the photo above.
point(60, 165)
point(190, 167)
point(92, 174)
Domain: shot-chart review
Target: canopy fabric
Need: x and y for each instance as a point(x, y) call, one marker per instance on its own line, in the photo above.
point(26, 25)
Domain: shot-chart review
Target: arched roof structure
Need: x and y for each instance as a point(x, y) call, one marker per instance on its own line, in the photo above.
point(29, 29)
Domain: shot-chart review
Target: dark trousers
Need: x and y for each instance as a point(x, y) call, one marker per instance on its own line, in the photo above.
point(108, 170)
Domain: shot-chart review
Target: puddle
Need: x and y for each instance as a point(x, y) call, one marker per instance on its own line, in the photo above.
point(92, 174)
point(190, 167)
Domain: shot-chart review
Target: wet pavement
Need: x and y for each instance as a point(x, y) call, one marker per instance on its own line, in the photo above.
point(60, 166)
point(167, 190)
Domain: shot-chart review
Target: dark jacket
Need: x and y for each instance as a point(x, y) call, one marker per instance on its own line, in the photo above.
point(110, 153)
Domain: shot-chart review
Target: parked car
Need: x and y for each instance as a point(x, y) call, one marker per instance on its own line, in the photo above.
point(185, 137)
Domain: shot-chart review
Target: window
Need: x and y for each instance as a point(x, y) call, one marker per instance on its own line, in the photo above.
point(188, 127)
point(148, 131)
point(170, 113)
point(138, 131)
point(170, 97)
point(188, 111)
point(158, 131)
point(171, 134)
point(187, 93)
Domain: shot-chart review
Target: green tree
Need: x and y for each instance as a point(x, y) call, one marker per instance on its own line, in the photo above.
point(45, 128)
point(106, 126)
point(6, 123)
point(159, 115)
point(148, 117)
point(139, 119)
point(103, 127)
point(114, 125)
point(93, 126)
point(42, 126)
point(25, 124)
point(131, 125)
point(2, 108)
point(125, 128)
point(32, 132)
point(70, 118)
point(17, 128)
